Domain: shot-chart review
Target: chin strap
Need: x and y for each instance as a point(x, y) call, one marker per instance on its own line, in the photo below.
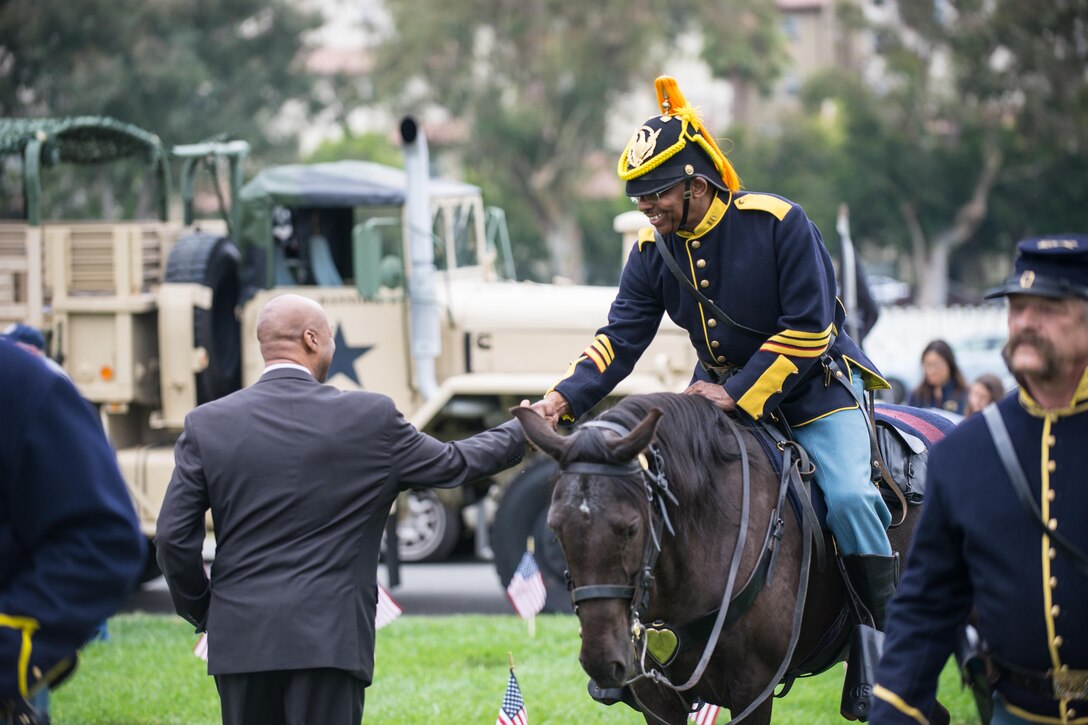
point(687, 204)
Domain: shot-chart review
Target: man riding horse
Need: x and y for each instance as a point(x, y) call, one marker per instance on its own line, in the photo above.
point(725, 265)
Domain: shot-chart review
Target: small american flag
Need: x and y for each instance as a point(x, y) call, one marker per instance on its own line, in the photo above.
point(388, 609)
point(706, 715)
point(526, 589)
point(201, 647)
point(512, 711)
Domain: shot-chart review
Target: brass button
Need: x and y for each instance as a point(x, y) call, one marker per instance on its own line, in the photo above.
point(715, 344)
point(711, 323)
point(1051, 440)
point(1055, 611)
point(701, 263)
point(704, 284)
point(1051, 552)
point(1051, 495)
point(37, 672)
point(720, 358)
point(1071, 713)
point(696, 244)
point(1052, 524)
point(1058, 641)
point(1052, 466)
point(1053, 582)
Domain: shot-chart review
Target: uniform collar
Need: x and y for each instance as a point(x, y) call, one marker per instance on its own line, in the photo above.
point(1079, 404)
point(713, 215)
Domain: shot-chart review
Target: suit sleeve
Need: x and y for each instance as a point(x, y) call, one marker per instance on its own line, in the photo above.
point(932, 602)
point(179, 537)
point(78, 548)
point(633, 320)
point(422, 460)
point(807, 297)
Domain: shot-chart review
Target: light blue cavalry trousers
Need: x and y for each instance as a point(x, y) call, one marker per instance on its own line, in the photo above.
point(839, 446)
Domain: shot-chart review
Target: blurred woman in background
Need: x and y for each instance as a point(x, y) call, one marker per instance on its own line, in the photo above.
point(942, 386)
point(986, 389)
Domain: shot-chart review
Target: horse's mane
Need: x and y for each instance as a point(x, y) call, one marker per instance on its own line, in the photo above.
point(693, 437)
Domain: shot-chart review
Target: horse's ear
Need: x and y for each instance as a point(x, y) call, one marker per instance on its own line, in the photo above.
point(539, 432)
point(639, 439)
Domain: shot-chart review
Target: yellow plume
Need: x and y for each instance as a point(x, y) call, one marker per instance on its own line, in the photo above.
point(673, 103)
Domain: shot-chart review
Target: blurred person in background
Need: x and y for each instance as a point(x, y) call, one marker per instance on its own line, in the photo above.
point(71, 550)
point(986, 389)
point(943, 386)
point(32, 340)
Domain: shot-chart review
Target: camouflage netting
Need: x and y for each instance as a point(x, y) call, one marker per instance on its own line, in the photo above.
point(80, 140)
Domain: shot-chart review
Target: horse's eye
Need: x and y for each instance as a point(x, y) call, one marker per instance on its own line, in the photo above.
point(631, 532)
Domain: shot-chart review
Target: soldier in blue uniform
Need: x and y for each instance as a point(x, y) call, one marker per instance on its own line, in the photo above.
point(977, 547)
point(70, 547)
point(760, 260)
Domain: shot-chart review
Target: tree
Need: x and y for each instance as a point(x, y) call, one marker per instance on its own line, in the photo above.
point(183, 70)
point(974, 100)
point(536, 83)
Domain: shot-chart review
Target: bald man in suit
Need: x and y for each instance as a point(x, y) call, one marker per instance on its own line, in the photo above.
point(299, 477)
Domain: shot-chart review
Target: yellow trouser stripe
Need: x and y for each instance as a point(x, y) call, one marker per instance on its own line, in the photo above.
point(897, 702)
point(28, 626)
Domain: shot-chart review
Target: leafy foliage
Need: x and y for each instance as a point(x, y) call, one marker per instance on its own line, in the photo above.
point(536, 82)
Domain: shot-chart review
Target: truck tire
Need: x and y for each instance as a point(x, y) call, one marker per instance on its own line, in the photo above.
point(523, 512)
point(213, 262)
point(427, 529)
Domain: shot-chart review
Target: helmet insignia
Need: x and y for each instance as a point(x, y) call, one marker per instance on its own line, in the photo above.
point(642, 146)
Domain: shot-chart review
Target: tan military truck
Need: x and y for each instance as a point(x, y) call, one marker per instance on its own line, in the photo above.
point(417, 278)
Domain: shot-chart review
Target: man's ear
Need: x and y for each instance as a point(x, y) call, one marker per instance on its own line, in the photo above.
point(309, 340)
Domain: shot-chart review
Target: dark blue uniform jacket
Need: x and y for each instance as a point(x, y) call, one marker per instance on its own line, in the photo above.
point(763, 262)
point(976, 547)
point(70, 546)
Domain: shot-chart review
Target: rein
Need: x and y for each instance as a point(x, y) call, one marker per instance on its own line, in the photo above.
point(654, 481)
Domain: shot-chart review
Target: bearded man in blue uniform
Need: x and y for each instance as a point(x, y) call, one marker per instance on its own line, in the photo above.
point(981, 547)
point(775, 352)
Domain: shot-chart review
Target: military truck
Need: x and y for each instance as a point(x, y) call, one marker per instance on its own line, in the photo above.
point(152, 318)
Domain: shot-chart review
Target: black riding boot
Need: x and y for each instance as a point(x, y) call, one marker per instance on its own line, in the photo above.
point(873, 579)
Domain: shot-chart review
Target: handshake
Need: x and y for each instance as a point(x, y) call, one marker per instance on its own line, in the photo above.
point(552, 407)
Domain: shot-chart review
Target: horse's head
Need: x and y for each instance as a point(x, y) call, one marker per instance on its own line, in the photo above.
point(602, 519)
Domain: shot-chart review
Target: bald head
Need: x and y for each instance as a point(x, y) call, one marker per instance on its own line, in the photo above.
point(293, 328)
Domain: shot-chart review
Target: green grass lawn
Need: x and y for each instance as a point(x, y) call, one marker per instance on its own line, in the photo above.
point(427, 670)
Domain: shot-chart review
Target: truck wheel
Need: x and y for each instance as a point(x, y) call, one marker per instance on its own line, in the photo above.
point(427, 529)
point(523, 512)
point(213, 262)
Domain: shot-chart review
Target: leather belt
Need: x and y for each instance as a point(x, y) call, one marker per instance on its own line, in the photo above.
point(718, 373)
point(1060, 685)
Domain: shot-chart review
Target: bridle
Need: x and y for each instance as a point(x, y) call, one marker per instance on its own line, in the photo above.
point(795, 462)
point(656, 487)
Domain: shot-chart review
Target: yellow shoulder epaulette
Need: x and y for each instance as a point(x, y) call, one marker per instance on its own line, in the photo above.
point(645, 234)
point(764, 202)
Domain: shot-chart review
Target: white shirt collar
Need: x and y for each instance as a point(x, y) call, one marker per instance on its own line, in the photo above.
point(283, 366)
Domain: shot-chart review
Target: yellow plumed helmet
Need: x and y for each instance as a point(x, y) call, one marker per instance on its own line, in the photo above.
point(672, 147)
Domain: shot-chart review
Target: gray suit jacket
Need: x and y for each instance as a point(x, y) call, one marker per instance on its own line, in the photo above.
point(299, 478)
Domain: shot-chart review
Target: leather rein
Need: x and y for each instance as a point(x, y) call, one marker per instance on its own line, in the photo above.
point(655, 484)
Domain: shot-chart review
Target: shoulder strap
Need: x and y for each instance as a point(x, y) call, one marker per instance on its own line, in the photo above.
point(1005, 452)
point(666, 255)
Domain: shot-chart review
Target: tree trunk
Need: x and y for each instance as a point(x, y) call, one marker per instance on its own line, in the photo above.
point(930, 259)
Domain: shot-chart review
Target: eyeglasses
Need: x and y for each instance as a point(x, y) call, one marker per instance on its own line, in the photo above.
point(655, 196)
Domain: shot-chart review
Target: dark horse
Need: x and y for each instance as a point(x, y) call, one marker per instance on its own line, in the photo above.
point(662, 462)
